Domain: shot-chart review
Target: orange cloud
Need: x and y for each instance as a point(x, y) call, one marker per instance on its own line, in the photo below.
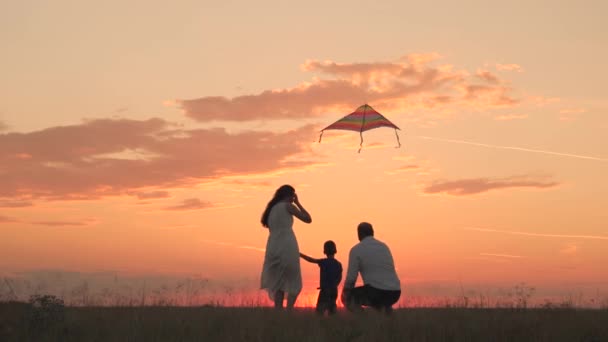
point(88, 161)
point(3, 126)
point(411, 81)
point(190, 204)
point(464, 187)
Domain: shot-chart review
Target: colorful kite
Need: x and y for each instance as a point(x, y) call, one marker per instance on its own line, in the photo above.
point(362, 119)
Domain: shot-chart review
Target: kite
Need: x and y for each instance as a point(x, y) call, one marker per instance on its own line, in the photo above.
point(361, 120)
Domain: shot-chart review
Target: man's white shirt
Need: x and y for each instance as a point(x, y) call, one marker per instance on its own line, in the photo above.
point(373, 259)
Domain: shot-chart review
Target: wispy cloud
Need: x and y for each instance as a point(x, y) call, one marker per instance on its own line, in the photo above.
point(564, 236)
point(403, 169)
point(3, 126)
point(523, 149)
point(52, 223)
point(190, 204)
point(543, 101)
point(570, 114)
point(509, 67)
point(86, 222)
point(509, 117)
point(150, 194)
point(472, 186)
point(508, 256)
point(414, 80)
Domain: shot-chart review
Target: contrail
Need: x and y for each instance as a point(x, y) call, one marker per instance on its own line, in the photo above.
point(593, 237)
point(512, 148)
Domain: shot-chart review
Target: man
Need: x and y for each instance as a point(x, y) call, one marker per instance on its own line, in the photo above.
point(373, 259)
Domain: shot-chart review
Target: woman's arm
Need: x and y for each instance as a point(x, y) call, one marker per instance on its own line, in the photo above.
point(297, 210)
point(309, 259)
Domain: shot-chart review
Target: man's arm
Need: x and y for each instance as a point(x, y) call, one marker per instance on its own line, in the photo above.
point(353, 269)
point(309, 259)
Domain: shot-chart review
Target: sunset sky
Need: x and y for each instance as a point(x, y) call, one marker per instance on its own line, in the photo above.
point(146, 137)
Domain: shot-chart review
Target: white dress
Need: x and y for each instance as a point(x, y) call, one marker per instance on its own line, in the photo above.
point(281, 271)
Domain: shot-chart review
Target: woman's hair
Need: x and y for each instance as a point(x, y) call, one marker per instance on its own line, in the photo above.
point(283, 192)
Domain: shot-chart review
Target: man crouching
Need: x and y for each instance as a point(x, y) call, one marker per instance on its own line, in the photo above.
point(373, 259)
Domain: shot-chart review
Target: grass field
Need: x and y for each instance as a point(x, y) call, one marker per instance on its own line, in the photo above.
point(24, 322)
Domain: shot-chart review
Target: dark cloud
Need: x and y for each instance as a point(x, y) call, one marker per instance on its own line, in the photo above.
point(190, 204)
point(464, 187)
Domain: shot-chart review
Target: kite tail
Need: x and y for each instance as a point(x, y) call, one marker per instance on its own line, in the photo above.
point(361, 143)
point(361, 130)
point(321, 136)
point(399, 142)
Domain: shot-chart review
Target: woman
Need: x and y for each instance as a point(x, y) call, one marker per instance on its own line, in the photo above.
point(281, 273)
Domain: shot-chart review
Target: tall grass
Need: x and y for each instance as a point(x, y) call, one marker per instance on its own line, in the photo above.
point(191, 310)
point(210, 323)
point(198, 291)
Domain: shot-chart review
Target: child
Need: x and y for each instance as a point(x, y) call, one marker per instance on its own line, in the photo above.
point(331, 275)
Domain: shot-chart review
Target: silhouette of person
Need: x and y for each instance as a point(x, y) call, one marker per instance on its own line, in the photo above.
point(329, 279)
point(281, 272)
point(373, 259)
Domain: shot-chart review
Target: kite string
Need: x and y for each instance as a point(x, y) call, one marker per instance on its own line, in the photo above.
point(321, 135)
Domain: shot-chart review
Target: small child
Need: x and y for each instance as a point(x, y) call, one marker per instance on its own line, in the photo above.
point(331, 275)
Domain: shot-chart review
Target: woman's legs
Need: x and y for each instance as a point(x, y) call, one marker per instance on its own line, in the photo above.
point(279, 296)
point(278, 299)
point(291, 300)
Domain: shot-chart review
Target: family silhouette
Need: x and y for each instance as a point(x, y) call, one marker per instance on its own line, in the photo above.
point(282, 275)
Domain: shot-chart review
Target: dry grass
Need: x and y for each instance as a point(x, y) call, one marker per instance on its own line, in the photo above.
point(23, 322)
